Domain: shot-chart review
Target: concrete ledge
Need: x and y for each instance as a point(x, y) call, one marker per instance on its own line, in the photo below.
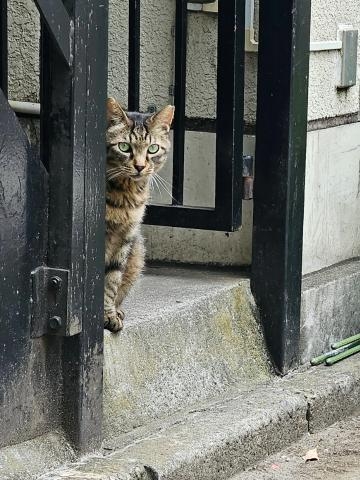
point(189, 335)
point(219, 439)
point(330, 308)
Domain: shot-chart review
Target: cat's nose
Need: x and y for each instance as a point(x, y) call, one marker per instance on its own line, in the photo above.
point(139, 168)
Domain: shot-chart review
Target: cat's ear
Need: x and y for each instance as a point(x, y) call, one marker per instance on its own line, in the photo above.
point(163, 119)
point(115, 114)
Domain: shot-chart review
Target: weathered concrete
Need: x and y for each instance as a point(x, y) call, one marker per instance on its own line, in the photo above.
point(27, 460)
point(218, 439)
point(197, 336)
point(330, 308)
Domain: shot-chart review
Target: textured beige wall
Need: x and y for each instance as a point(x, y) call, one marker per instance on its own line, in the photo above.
point(157, 62)
point(23, 50)
point(324, 99)
point(201, 66)
point(118, 47)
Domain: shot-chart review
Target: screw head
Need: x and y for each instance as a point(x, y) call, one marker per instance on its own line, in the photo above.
point(55, 323)
point(55, 282)
point(152, 108)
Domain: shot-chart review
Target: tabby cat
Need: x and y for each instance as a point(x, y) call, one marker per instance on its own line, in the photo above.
point(137, 146)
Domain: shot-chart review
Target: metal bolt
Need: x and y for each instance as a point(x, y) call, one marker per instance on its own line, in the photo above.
point(55, 323)
point(55, 282)
point(152, 108)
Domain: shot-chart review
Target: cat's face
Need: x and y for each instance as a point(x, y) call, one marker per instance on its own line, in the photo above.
point(137, 143)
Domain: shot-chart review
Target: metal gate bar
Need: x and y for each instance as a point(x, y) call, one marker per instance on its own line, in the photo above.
point(281, 128)
point(134, 56)
point(55, 16)
point(179, 101)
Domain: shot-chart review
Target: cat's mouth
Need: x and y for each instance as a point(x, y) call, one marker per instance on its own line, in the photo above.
point(138, 176)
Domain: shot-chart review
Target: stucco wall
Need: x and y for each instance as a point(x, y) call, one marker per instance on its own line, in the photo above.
point(157, 61)
point(118, 47)
point(324, 99)
point(24, 34)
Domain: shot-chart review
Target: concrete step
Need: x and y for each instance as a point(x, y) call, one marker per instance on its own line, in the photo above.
point(190, 334)
point(218, 439)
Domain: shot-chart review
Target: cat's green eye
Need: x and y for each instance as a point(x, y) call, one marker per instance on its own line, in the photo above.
point(124, 147)
point(154, 148)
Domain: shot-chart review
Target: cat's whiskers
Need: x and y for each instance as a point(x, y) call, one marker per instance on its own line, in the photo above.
point(162, 181)
point(113, 176)
point(152, 183)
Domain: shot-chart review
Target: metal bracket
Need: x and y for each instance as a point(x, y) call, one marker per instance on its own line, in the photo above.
point(50, 295)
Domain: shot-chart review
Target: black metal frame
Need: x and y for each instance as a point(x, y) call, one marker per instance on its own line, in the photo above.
point(134, 56)
point(230, 83)
point(73, 90)
point(281, 128)
point(58, 22)
point(73, 122)
point(73, 126)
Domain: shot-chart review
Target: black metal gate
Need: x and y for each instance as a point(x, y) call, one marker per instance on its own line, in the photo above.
point(229, 119)
point(52, 234)
point(51, 205)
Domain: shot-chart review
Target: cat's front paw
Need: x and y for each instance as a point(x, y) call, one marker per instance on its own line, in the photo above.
point(114, 321)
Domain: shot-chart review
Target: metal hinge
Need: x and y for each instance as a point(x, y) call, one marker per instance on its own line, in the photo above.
point(248, 177)
point(50, 303)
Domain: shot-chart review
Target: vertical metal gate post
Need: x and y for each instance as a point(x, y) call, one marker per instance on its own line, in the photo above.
point(180, 102)
point(134, 56)
point(281, 127)
point(73, 126)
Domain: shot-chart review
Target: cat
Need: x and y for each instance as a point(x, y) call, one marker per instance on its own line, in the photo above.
point(137, 145)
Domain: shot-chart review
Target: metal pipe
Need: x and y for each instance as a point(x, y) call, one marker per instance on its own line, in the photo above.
point(26, 108)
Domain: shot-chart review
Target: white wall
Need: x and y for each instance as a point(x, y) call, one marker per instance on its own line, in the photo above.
point(332, 197)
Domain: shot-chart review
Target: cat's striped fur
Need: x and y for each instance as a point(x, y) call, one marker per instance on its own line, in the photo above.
point(128, 176)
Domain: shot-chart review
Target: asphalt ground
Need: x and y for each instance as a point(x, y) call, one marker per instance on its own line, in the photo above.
point(338, 449)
